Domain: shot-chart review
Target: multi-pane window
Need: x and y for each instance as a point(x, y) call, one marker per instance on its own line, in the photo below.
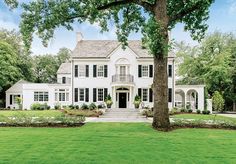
point(145, 71)
point(145, 95)
point(100, 71)
point(81, 94)
point(40, 96)
point(82, 70)
point(62, 95)
point(100, 94)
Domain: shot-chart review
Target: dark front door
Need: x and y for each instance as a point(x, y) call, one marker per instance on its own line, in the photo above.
point(122, 100)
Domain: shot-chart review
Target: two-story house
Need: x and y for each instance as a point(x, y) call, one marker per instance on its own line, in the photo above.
point(101, 67)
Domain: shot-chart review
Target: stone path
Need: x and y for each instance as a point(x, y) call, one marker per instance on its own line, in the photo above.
point(120, 115)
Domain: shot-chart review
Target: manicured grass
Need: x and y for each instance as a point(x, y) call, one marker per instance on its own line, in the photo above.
point(43, 113)
point(116, 143)
point(204, 117)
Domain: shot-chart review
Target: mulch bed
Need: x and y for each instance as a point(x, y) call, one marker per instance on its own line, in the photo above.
point(44, 125)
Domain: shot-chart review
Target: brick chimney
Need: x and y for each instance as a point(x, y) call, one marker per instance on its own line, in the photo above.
point(79, 36)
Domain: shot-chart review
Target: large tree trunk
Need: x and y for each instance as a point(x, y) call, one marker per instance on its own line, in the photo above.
point(160, 81)
point(160, 87)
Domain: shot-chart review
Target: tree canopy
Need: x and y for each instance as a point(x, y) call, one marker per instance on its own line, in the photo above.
point(126, 15)
point(212, 63)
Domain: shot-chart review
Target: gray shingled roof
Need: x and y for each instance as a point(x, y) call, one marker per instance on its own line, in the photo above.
point(102, 48)
point(18, 87)
point(65, 68)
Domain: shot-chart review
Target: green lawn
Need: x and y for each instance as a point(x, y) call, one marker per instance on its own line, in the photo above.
point(116, 143)
point(43, 113)
point(204, 117)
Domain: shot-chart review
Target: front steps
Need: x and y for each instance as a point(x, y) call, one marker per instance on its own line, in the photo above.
point(120, 115)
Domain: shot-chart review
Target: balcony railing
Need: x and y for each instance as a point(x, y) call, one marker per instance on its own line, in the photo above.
point(118, 78)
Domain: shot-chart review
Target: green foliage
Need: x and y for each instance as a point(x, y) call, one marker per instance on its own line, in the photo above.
point(198, 111)
point(92, 106)
point(9, 73)
point(108, 101)
point(84, 106)
point(137, 101)
point(212, 63)
point(11, 3)
point(206, 112)
point(127, 17)
point(218, 101)
point(38, 106)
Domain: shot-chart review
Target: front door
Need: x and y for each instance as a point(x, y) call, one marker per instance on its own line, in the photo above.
point(122, 100)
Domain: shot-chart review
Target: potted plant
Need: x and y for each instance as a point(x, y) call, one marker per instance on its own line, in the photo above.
point(108, 101)
point(137, 101)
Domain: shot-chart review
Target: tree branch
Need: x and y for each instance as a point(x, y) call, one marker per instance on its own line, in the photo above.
point(142, 3)
point(184, 12)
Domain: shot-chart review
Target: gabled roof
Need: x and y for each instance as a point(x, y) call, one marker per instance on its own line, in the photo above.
point(18, 87)
point(103, 48)
point(65, 68)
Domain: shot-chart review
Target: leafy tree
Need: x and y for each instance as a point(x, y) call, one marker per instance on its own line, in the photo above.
point(11, 3)
point(63, 55)
point(153, 17)
point(10, 73)
point(24, 59)
point(212, 63)
point(218, 101)
point(46, 66)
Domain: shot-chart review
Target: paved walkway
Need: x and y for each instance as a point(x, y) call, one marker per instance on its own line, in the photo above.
point(228, 115)
point(119, 115)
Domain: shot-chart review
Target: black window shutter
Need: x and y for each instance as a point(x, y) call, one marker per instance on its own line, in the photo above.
point(170, 95)
point(94, 70)
point(94, 95)
point(87, 95)
point(76, 94)
point(87, 70)
point(105, 93)
point(76, 70)
point(140, 92)
point(63, 80)
point(170, 70)
point(105, 70)
point(11, 99)
point(150, 70)
point(139, 70)
point(150, 95)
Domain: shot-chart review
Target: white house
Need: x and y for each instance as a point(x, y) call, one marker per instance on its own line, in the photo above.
point(101, 67)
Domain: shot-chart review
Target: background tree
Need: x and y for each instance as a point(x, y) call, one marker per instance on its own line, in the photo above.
point(218, 101)
point(45, 66)
point(24, 61)
point(155, 18)
point(212, 63)
point(10, 73)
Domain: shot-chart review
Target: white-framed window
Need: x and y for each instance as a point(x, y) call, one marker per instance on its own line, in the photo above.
point(145, 94)
point(61, 95)
point(100, 94)
point(81, 94)
point(82, 70)
point(100, 70)
point(145, 71)
point(40, 96)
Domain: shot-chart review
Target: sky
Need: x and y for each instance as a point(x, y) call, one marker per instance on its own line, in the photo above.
point(222, 18)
